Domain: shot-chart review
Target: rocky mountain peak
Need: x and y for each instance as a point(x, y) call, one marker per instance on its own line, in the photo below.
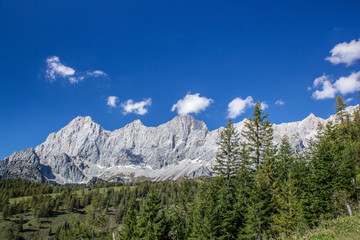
point(82, 122)
point(311, 120)
point(183, 146)
point(82, 119)
point(135, 124)
point(187, 121)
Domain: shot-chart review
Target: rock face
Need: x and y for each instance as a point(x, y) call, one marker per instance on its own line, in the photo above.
point(83, 150)
point(23, 164)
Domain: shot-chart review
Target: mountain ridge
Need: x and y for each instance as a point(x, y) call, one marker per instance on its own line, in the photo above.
point(182, 146)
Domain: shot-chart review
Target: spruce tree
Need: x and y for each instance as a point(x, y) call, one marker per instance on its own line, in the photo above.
point(289, 215)
point(151, 223)
point(179, 214)
point(319, 199)
point(340, 107)
point(258, 135)
point(261, 153)
point(227, 159)
point(200, 222)
point(285, 161)
point(128, 231)
point(225, 218)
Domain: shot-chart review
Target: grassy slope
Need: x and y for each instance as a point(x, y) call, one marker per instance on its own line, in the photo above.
point(39, 229)
point(78, 192)
point(345, 228)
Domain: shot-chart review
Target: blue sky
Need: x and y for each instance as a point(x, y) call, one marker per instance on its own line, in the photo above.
point(212, 59)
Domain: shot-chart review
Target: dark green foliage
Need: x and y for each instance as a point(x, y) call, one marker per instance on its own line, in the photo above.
point(6, 211)
point(128, 230)
point(228, 158)
point(151, 223)
point(259, 153)
point(340, 107)
point(259, 135)
point(289, 216)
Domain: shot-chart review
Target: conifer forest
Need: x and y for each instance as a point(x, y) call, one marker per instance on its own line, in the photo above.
point(257, 190)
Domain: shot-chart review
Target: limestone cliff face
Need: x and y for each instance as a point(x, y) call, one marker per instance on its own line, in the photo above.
point(23, 164)
point(183, 146)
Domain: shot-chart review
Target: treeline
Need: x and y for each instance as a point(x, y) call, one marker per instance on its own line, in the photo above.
point(259, 190)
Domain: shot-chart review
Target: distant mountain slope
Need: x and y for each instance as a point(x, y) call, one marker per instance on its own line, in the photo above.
point(83, 150)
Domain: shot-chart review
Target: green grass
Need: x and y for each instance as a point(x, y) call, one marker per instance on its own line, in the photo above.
point(78, 192)
point(345, 228)
point(34, 228)
point(18, 199)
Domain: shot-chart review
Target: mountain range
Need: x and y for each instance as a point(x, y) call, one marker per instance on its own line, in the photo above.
point(83, 150)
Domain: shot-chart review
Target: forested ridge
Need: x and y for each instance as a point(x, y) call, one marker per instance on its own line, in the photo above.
point(258, 191)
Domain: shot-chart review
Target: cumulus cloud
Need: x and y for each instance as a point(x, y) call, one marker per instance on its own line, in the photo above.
point(280, 102)
point(191, 103)
point(136, 107)
point(55, 69)
point(238, 106)
point(348, 84)
point(327, 90)
point(347, 53)
point(111, 101)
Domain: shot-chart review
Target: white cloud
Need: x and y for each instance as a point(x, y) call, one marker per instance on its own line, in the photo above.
point(136, 107)
point(320, 80)
point(280, 102)
point(344, 85)
point(347, 53)
point(191, 103)
point(237, 106)
point(264, 105)
point(56, 68)
point(111, 101)
point(96, 73)
point(327, 88)
point(348, 84)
